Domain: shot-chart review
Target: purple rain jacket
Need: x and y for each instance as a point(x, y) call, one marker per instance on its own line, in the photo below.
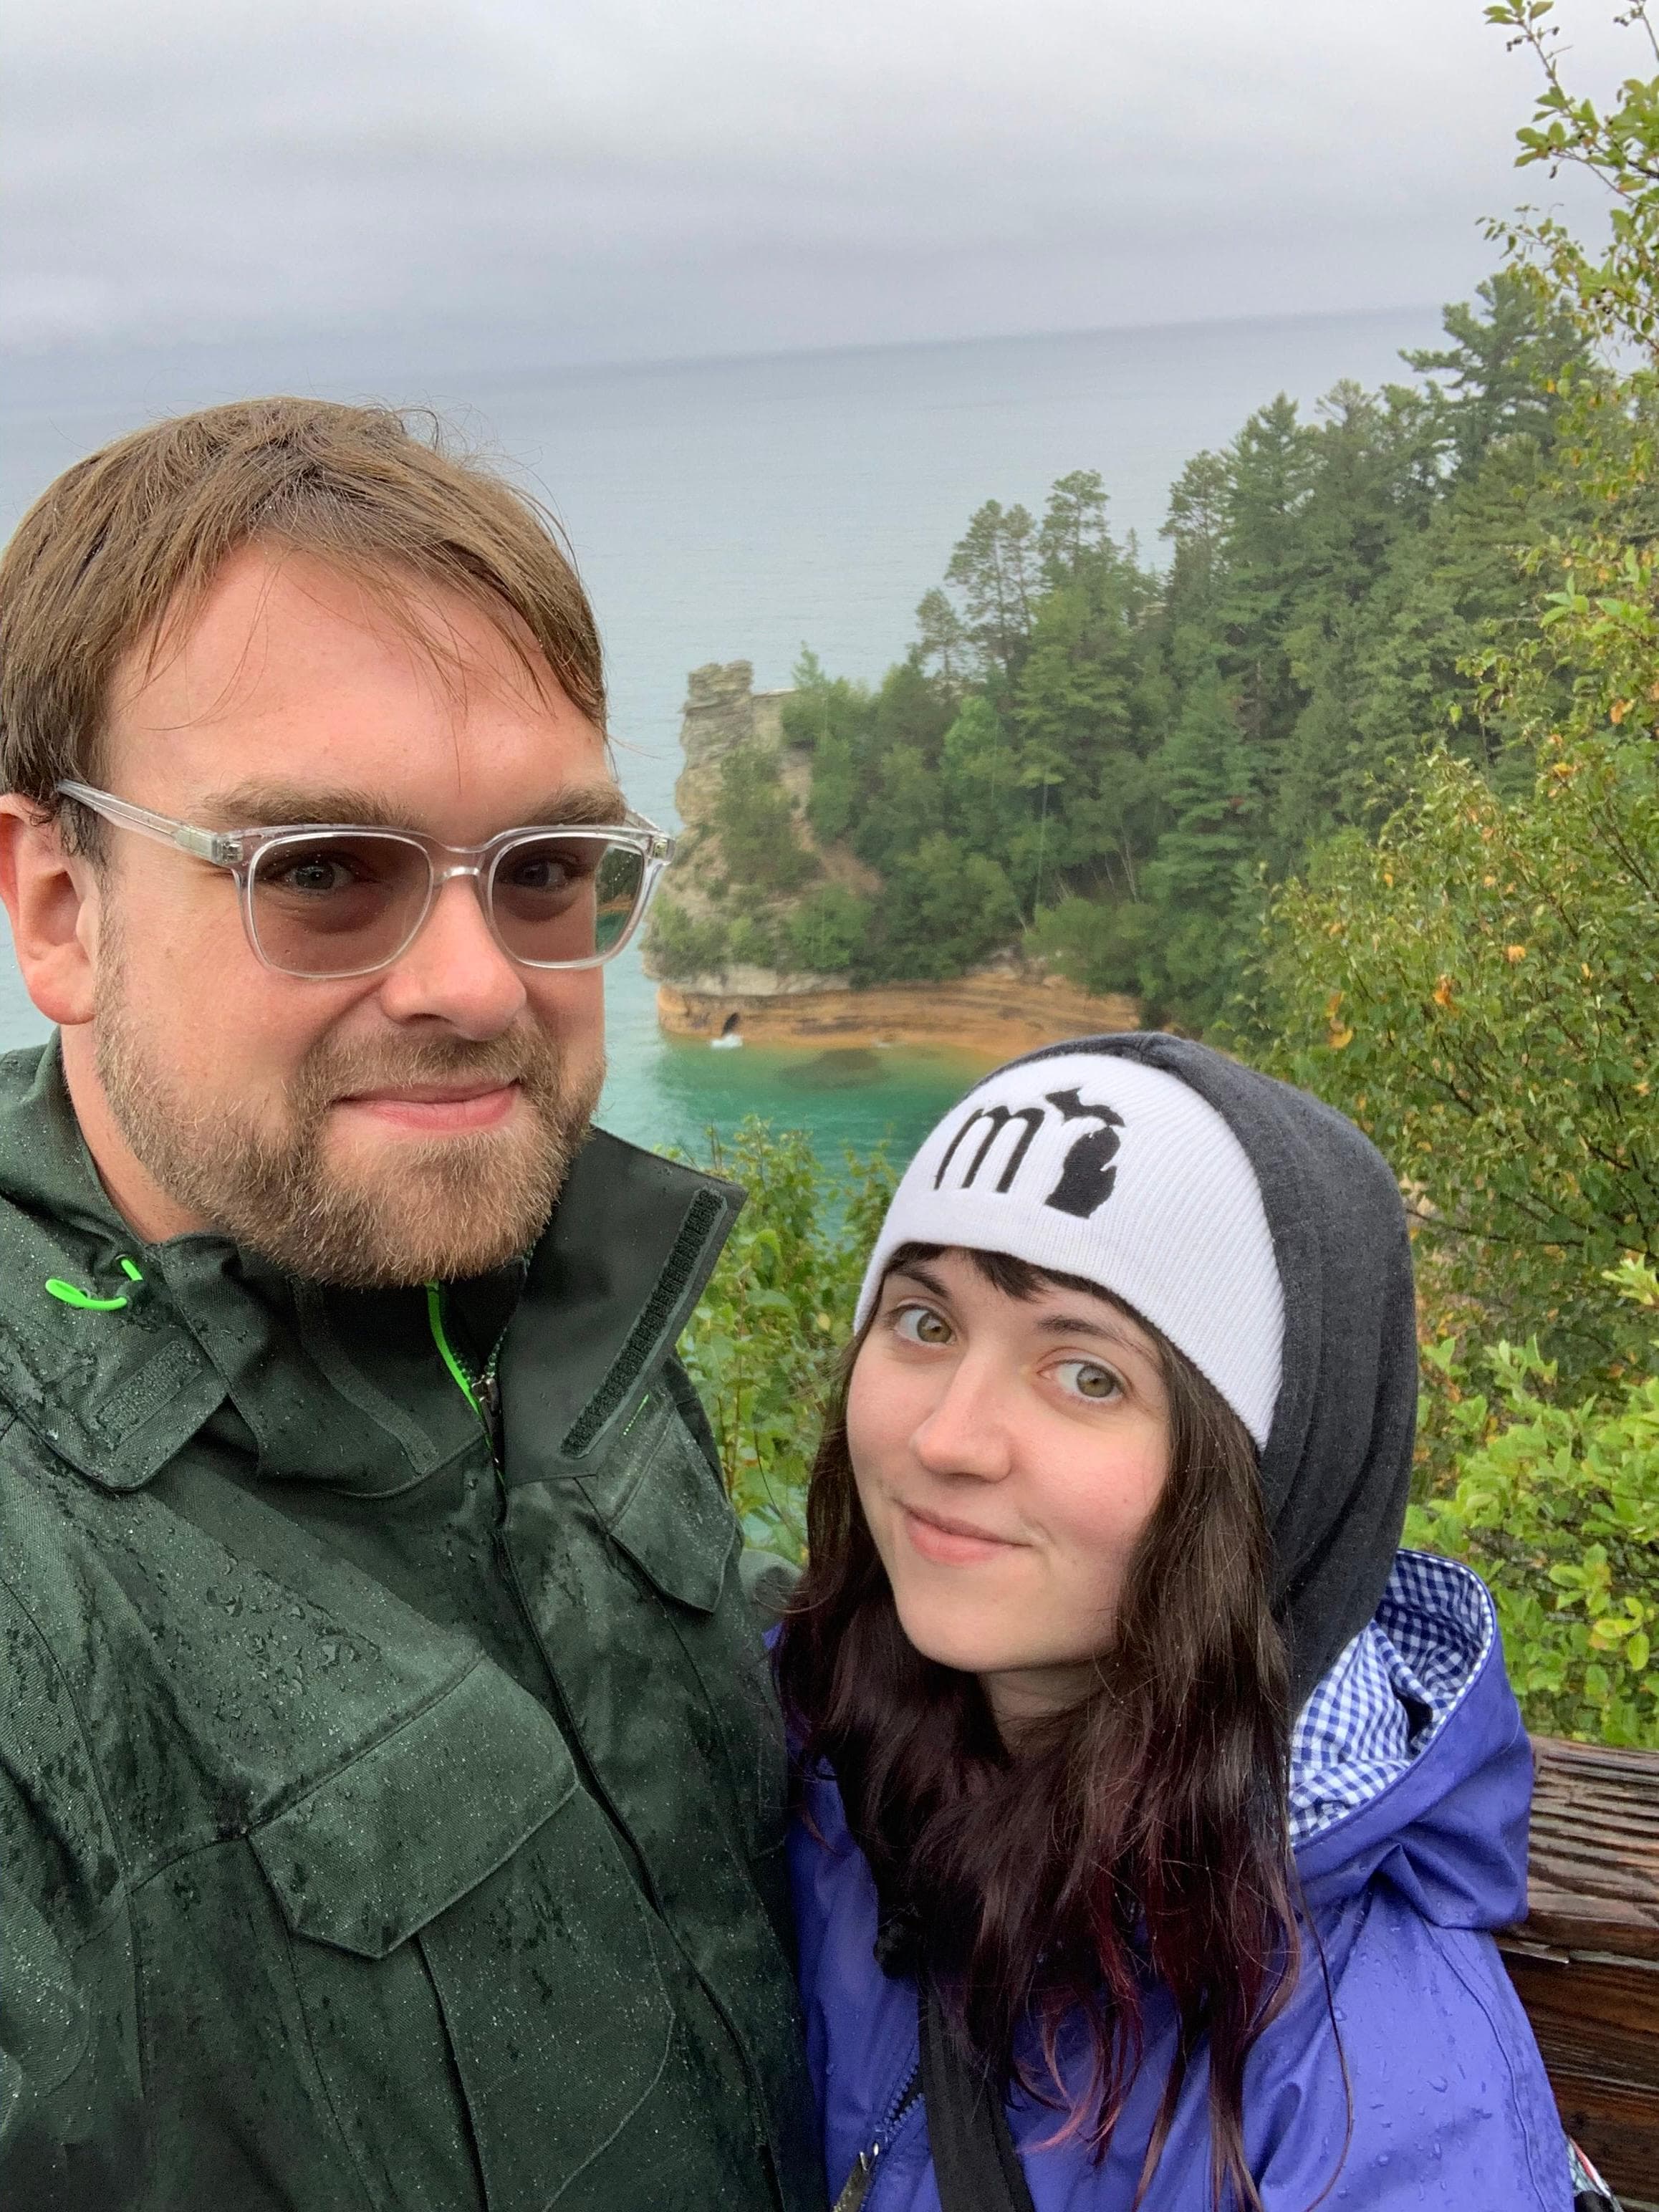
point(1411, 1784)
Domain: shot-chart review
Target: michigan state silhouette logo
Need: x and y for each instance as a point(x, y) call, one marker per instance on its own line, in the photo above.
point(1087, 1173)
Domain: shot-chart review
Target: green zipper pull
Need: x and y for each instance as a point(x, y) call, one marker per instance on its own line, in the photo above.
point(83, 1301)
point(463, 1381)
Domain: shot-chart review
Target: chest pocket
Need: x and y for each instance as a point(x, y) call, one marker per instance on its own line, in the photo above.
point(459, 1858)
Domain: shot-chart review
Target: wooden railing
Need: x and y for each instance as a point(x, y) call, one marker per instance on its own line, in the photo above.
point(1586, 1957)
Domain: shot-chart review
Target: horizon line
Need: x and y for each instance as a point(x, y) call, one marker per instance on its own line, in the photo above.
point(90, 348)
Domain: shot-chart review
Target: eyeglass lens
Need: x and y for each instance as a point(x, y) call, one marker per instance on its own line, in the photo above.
point(351, 901)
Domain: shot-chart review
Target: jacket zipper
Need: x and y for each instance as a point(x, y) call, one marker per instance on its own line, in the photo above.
point(482, 1393)
point(857, 2186)
point(561, 1704)
point(602, 1797)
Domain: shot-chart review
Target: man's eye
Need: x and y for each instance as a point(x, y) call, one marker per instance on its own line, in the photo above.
point(313, 875)
point(1086, 1378)
point(539, 871)
point(921, 1325)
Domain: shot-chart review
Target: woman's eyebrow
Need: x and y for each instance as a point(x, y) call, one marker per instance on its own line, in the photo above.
point(931, 1283)
point(1064, 1324)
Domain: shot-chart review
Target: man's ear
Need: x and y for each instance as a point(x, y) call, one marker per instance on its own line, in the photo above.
point(52, 900)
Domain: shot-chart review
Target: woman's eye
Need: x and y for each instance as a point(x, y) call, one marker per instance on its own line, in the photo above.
point(1085, 1378)
point(921, 1325)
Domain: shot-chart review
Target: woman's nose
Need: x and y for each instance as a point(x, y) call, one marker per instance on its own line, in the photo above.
point(967, 1429)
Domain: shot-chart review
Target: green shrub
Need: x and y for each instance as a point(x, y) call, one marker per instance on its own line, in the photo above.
point(1557, 1507)
point(946, 910)
point(1480, 991)
point(753, 941)
point(1100, 945)
point(827, 930)
point(764, 1342)
point(756, 824)
point(681, 946)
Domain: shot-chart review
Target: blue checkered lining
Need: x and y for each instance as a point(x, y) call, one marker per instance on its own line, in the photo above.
point(1390, 1692)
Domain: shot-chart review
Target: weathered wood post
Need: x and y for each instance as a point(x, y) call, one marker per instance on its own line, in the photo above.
point(1586, 1957)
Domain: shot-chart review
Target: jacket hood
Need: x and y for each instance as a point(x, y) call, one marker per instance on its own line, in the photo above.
point(1425, 1779)
point(1336, 1463)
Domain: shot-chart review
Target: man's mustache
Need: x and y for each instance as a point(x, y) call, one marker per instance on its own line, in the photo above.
point(336, 1071)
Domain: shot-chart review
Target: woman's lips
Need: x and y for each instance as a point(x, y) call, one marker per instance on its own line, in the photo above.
point(430, 1111)
point(951, 1543)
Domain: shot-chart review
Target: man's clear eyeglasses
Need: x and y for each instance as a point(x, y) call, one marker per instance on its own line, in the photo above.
point(321, 899)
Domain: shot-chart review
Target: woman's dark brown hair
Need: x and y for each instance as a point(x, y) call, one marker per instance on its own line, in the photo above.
point(1140, 1839)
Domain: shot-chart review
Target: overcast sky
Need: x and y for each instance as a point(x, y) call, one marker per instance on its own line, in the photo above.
point(640, 179)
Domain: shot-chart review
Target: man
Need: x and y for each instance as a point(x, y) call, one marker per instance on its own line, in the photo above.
point(391, 1812)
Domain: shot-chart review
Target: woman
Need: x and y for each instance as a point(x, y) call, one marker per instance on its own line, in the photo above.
point(1129, 1739)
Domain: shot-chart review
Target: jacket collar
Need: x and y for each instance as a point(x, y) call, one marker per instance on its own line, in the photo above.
point(610, 1285)
point(345, 1388)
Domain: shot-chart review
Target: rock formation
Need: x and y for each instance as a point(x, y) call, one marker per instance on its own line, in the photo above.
point(1008, 1006)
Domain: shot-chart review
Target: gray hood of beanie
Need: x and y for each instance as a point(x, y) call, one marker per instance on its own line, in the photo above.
point(1336, 1467)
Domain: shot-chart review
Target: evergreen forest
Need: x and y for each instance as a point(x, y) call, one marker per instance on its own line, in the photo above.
point(1106, 764)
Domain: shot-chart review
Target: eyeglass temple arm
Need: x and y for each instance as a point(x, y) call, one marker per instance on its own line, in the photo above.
point(205, 844)
point(662, 843)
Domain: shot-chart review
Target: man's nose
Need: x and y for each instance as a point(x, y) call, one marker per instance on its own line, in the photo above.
point(455, 972)
point(968, 1430)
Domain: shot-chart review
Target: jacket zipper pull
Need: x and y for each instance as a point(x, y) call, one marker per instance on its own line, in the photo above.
point(857, 2187)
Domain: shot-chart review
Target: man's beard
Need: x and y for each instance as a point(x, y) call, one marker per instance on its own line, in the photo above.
point(438, 1210)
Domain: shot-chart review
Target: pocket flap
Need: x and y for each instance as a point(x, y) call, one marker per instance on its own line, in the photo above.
point(677, 1523)
point(390, 1841)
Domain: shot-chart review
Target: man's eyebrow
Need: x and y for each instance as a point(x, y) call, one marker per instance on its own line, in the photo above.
point(283, 806)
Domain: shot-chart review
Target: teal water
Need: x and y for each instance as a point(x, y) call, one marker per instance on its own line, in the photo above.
point(734, 510)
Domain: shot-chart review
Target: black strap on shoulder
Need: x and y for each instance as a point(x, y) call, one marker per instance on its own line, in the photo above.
point(975, 2162)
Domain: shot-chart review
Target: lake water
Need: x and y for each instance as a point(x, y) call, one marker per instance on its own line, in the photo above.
point(732, 510)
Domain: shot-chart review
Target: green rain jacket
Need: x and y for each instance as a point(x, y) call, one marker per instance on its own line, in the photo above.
point(391, 1790)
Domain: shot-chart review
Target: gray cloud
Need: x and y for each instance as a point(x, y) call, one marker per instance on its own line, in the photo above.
point(659, 177)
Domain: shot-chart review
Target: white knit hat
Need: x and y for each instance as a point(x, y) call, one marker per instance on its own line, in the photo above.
point(1101, 1167)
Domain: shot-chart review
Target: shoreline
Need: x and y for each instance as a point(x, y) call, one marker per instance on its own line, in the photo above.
point(996, 1017)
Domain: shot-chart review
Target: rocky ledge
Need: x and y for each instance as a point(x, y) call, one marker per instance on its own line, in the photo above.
point(993, 1015)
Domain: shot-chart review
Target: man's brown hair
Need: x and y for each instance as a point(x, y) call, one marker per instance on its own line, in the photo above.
point(125, 544)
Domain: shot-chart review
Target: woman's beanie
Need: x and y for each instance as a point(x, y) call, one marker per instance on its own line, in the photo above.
point(1106, 1169)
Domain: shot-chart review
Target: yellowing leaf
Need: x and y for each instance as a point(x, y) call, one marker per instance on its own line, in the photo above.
point(1340, 1039)
point(1442, 992)
point(1515, 953)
